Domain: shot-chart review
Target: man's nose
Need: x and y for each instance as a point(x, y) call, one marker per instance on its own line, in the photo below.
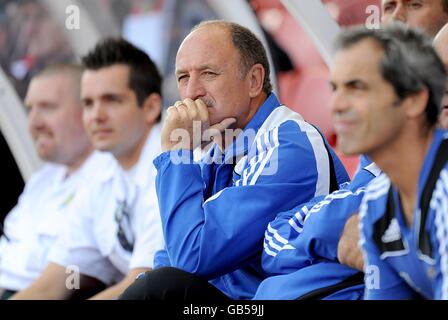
point(400, 13)
point(34, 119)
point(98, 111)
point(194, 89)
point(338, 102)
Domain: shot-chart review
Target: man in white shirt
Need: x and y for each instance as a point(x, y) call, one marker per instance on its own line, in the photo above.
point(34, 224)
point(116, 229)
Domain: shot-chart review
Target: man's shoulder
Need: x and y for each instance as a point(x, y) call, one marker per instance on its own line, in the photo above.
point(375, 197)
point(99, 166)
point(378, 186)
point(285, 126)
point(281, 116)
point(435, 170)
point(100, 186)
point(440, 191)
point(44, 176)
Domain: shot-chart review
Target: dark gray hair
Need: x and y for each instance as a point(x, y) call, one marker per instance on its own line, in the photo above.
point(249, 46)
point(410, 63)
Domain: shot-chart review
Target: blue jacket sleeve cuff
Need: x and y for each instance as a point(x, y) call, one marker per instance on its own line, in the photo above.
point(181, 156)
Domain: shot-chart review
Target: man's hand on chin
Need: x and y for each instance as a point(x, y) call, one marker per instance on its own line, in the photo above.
point(187, 125)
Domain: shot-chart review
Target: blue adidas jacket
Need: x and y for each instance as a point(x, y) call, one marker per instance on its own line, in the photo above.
point(214, 212)
point(407, 262)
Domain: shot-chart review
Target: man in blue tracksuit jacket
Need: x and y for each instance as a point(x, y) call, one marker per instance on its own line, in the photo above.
point(388, 86)
point(408, 262)
point(215, 211)
point(301, 246)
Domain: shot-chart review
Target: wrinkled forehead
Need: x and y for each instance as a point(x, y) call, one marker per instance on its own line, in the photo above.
point(361, 58)
point(207, 44)
point(207, 35)
point(47, 87)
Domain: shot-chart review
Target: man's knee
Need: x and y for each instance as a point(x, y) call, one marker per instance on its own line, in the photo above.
point(158, 284)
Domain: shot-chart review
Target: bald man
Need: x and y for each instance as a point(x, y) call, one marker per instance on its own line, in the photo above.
point(428, 15)
point(441, 45)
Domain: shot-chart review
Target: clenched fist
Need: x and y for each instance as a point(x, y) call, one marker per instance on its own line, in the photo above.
point(187, 123)
point(349, 252)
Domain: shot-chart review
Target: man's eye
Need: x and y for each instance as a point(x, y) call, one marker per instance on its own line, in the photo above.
point(115, 99)
point(49, 106)
point(209, 74)
point(414, 5)
point(87, 103)
point(357, 85)
point(181, 78)
point(333, 87)
point(389, 8)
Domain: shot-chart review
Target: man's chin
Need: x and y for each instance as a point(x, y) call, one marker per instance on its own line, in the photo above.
point(217, 121)
point(102, 146)
point(348, 150)
point(44, 153)
point(50, 157)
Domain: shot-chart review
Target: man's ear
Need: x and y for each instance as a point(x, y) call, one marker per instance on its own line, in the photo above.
point(415, 104)
point(152, 107)
point(256, 76)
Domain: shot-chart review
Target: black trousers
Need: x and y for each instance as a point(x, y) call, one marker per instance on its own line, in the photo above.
point(172, 284)
point(7, 294)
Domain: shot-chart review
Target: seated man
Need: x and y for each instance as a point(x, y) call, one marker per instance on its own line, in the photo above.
point(301, 247)
point(388, 86)
point(427, 15)
point(311, 242)
point(34, 224)
point(293, 248)
point(115, 230)
point(214, 212)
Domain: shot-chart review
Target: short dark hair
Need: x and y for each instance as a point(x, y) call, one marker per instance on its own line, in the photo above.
point(249, 46)
point(410, 63)
point(144, 78)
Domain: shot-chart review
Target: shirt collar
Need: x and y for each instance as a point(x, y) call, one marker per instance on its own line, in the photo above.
point(263, 112)
point(438, 137)
point(239, 147)
point(144, 170)
point(97, 161)
point(126, 185)
point(90, 168)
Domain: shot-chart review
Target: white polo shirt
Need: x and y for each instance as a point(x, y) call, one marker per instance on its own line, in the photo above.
point(91, 243)
point(38, 219)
